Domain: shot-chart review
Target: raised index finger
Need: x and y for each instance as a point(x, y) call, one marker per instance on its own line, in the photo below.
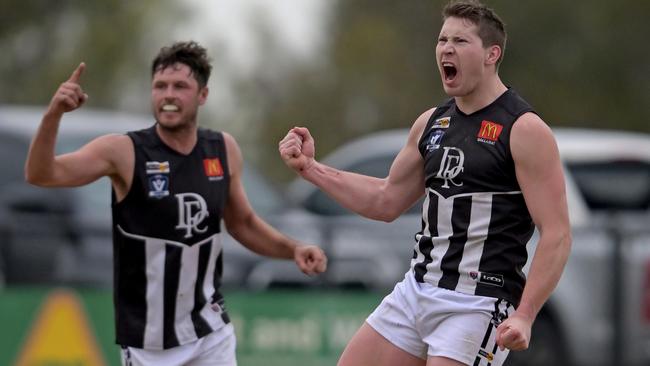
point(76, 74)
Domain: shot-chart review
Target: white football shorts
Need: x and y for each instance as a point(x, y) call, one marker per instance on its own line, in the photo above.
point(428, 321)
point(215, 349)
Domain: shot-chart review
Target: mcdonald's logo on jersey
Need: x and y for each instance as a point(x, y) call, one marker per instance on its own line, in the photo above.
point(213, 168)
point(489, 132)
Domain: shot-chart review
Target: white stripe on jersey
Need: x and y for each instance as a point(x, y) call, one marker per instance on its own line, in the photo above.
point(477, 231)
point(155, 255)
point(441, 242)
point(155, 281)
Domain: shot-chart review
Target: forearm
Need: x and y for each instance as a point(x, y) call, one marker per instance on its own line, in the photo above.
point(364, 195)
point(261, 238)
point(545, 272)
point(40, 163)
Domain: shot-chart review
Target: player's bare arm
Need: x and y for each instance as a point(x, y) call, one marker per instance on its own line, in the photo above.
point(105, 156)
point(540, 176)
point(376, 198)
point(254, 233)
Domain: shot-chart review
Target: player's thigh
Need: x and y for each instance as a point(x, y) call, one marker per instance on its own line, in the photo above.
point(443, 361)
point(369, 348)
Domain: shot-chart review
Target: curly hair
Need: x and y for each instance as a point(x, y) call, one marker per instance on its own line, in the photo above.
point(188, 53)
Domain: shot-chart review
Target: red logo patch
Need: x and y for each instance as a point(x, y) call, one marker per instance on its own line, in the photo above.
point(213, 167)
point(490, 131)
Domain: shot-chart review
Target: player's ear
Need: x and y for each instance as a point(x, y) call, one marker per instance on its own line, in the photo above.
point(203, 95)
point(493, 54)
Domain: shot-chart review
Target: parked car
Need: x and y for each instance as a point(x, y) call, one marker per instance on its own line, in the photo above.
point(600, 312)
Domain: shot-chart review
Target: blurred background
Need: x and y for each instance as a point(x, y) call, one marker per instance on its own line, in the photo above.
point(345, 69)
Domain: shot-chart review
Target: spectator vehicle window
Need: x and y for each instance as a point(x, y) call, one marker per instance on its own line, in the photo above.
point(623, 185)
point(12, 151)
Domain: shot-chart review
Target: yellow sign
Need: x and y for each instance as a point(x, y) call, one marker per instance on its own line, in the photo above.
point(61, 335)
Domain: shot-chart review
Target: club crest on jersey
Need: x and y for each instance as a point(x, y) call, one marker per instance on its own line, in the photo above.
point(213, 169)
point(451, 165)
point(192, 210)
point(158, 178)
point(489, 132)
point(158, 186)
point(434, 140)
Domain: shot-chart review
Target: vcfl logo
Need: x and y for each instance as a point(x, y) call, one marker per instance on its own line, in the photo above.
point(451, 165)
point(192, 210)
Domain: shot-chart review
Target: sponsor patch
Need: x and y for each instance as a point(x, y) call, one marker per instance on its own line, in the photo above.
point(487, 355)
point(441, 122)
point(157, 167)
point(489, 132)
point(213, 169)
point(487, 278)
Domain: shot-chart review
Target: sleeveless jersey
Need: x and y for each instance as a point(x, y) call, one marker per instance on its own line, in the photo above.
point(475, 223)
point(167, 243)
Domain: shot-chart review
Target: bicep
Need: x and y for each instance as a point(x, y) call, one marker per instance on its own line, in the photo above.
point(539, 171)
point(406, 175)
point(238, 209)
point(94, 160)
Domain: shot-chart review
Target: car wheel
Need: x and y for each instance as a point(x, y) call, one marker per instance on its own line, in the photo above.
point(546, 346)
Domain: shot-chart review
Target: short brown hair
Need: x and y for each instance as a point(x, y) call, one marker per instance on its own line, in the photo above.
point(491, 28)
point(187, 53)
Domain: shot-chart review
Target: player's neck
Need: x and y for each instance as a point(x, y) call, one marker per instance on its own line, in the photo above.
point(181, 140)
point(483, 95)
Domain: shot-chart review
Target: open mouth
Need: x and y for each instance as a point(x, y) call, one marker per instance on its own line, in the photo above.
point(449, 71)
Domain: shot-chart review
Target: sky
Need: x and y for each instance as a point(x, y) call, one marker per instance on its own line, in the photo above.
point(299, 24)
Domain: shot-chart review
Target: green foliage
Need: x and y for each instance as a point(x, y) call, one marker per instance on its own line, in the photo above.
point(43, 41)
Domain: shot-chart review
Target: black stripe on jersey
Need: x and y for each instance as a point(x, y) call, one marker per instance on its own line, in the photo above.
point(173, 254)
point(500, 257)
point(130, 291)
point(217, 297)
point(201, 327)
point(426, 244)
point(451, 260)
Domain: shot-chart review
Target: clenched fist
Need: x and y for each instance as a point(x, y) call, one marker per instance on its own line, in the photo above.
point(297, 149)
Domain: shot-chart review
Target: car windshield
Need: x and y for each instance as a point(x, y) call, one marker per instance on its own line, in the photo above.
point(601, 182)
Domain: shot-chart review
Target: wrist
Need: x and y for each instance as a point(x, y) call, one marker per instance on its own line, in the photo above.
point(526, 312)
point(308, 168)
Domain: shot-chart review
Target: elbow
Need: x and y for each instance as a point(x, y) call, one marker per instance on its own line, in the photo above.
point(387, 216)
point(32, 179)
point(386, 212)
point(37, 179)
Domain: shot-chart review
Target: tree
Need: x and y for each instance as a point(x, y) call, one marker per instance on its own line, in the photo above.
point(43, 41)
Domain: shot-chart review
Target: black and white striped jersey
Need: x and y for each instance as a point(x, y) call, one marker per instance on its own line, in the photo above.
point(475, 223)
point(167, 243)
